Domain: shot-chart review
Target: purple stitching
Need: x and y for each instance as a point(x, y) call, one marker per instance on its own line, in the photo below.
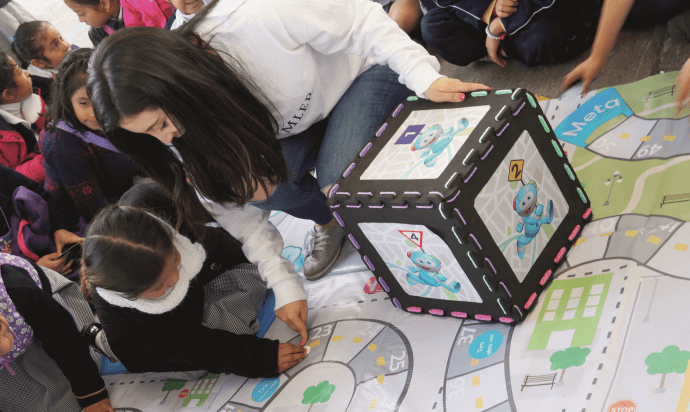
point(354, 207)
point(397, 304)
point(375, 207)
point(397, 111)
point(349, 169)
point(384, 284)
point(423, 207)
point(389, 193)
point(460, 214)
point(335, 206)
point(436, 193)
point(487, 152)
point(436, 312)
point(476, 241)
point(384, 127)
point(454, 197)
point(337, 217)
point(365, 193)
point(504, 129)
point(353, 240)
point(333, 190)
point(470, 176)
point(400, 207)
point(458, 314)
point(504, 287)
point(518, 110)
point(492, 265)
point(518, 309)
point(413, 193)
point(368, 262)
point(343, 193)
point(365, 150)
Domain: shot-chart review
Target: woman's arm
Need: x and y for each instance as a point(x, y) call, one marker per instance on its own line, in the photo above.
point(613, 16)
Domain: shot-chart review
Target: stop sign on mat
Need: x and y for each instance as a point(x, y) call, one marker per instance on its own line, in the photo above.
point(623, 406)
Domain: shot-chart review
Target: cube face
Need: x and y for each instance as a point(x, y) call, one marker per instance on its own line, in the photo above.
point(421, 262)
point(425, 144)
point(522, 205)
point(431, 204)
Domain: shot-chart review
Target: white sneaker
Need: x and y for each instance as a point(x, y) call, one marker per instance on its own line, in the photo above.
point(321, 250)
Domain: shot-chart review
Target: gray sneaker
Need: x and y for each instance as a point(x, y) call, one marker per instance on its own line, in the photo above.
point(679, 27)
point(321, 249)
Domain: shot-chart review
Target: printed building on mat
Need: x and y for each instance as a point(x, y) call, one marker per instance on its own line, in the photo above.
point(462, 209)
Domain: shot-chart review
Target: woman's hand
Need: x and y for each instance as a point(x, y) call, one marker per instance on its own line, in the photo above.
point(289, 355)
point(294, 314)
point(496, 28)
point(451, 90)
point(61, 266)
point(683, 86)
point(63, 237)
point(102, 406)
point(585, 71)
point(504, 8)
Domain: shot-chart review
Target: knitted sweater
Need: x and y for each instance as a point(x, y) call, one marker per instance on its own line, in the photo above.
point(83, 174)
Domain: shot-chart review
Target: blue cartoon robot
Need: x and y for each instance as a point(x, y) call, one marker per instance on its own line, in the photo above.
point(426, 270)
point(531, 215)
point(435, 140)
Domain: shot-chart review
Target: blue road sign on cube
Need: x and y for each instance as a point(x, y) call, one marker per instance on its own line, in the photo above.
point(463, 209)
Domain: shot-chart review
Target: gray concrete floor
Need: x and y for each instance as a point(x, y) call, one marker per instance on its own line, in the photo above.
point(637, 54)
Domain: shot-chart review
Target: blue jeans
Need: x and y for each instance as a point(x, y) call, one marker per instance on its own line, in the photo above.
point(332, 144)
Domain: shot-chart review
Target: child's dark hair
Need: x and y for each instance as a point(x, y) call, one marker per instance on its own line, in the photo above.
point(72, 76)
point(26, 45)
point(125, 250)
point(6, 73)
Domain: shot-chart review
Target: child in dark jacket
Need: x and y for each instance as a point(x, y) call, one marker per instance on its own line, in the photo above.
point(84, 171)
point(28, 312)
point(149, 284)
point(40, 48)
point(22, 117)
point(533, 32)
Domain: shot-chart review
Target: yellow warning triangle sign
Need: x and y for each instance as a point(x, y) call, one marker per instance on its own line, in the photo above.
point(414, 236)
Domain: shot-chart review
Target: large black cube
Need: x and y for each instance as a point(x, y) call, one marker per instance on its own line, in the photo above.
point(463, 209)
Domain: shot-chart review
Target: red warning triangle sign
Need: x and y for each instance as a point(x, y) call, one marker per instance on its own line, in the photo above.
point(414, 236)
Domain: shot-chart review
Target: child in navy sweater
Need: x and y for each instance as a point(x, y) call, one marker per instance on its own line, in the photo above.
point(84, 171)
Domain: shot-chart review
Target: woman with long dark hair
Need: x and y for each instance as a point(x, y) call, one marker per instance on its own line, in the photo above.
point(202, 116)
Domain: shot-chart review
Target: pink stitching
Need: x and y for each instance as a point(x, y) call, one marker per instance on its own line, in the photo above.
point(574, 233)
point(414, 309)
point(458, 314)
point(436, 312)
point(506, 320)
point(482, 317)
point(560, 255)
point(587, 213)
point(546, 277)
point(531, 300)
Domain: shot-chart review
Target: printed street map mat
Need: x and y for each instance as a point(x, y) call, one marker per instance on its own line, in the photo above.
point(610, 334)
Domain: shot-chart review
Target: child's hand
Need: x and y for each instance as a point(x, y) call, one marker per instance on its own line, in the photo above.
point(586, 71)
point(61, 266)
point(294, 314)
point(289, 355)
point(495, 28)
point(504, 8)
point(451, 90)
point(102, 406)
point(63, 237)
point(683, 86)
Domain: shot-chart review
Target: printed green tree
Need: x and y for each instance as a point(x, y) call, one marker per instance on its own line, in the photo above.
point(671, 359)
point(320, 393)
point(568, 358)
point(171, 385)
